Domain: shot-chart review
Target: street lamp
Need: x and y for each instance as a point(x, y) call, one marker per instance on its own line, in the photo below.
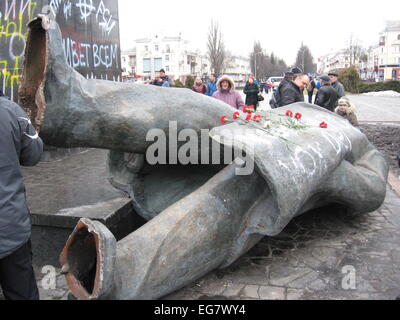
point(255, 63)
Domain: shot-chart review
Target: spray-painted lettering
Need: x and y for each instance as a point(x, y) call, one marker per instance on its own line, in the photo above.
point(95, 56)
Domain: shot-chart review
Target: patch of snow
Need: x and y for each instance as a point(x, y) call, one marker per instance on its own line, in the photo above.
point(389, 93)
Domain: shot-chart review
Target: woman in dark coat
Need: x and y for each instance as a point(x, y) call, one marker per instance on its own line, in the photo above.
point(251, 90)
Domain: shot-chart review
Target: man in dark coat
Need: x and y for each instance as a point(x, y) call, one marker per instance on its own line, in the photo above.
point(251, 90)
point(19, 145)
point(293, 91)
point(275, 102)
point(327, 96)
point(338, 86)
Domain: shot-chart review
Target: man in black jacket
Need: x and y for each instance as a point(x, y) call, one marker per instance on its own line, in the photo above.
point(293, 91)
point(327, 96)
point(275, 102)
point(19, 145)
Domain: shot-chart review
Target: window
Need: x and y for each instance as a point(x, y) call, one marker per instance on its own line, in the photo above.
point(398, 37)
point(157, 64)
point(156, 47)
point(396, 48)
point(167, 57)
point(146, 48)
point(167, 68)
point(146, 65)
point(168, 48)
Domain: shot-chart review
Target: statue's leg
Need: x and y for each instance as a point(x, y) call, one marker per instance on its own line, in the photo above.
point(183, 243)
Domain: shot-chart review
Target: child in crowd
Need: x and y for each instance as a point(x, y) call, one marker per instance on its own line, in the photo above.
point(347, 110)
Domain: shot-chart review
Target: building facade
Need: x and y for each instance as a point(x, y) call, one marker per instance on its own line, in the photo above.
point(334, 61)
point(173, 54)
point(128, 63)
point(388, 66)
point(380, 62)
point(238, 68)
point(179, 60)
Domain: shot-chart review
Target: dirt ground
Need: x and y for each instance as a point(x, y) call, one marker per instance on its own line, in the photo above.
point(386, 138)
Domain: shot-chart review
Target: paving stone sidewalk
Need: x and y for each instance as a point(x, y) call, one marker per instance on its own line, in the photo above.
point(315, 257)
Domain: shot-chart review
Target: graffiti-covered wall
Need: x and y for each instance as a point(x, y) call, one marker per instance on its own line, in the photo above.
point(90, 30)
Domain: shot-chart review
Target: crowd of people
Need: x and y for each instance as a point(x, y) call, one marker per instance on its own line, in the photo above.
point(329, 92)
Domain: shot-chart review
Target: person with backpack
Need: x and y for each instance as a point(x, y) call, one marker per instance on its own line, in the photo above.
point(276, 96)
point(275, 102)
point(294, 90)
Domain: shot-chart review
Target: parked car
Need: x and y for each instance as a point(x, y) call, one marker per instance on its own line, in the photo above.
point(273, 82)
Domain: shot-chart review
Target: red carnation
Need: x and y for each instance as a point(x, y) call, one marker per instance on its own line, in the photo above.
point(257, 118)
point(289, 114)
point(248, 109)
point(223, 119)
point(248, 118)
point(323, 125)
point(298, 116)
point(236, 115)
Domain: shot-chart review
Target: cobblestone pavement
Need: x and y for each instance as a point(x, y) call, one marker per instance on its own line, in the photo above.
point(315, 257)
point(311, 259)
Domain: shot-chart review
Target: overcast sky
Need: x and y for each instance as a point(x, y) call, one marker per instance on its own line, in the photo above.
point(279, 25)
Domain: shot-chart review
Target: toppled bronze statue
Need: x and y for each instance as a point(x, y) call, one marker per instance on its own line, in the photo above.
point(200, 217)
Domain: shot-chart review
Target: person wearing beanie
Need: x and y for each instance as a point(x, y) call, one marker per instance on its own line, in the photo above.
point(226, 92)
point(293, 91)
point(251, 90)
point(276, 94)
point(296, 71)
point(333, 76)
point(347, 110)
point(327, 96)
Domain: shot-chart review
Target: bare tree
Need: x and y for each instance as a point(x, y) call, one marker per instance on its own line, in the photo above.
point(354, 50)
point(305, 60)
point(216, 49)
point(263, 65)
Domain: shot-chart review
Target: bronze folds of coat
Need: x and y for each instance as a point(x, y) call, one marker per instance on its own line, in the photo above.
point(200, 217)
